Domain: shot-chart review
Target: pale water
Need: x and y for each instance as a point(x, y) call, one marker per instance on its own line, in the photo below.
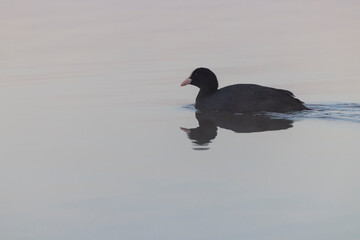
point(99, 141)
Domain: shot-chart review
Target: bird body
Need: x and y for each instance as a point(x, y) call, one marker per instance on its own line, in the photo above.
point(242, 98)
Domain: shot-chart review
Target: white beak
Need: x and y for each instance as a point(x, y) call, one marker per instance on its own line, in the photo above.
point(186, 82)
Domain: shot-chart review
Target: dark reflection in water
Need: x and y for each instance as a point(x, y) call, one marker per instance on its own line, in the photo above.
point(245, 123)
point(248, 123)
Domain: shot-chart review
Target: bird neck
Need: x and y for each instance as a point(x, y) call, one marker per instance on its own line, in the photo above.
point(202, 96)
point(205, 92)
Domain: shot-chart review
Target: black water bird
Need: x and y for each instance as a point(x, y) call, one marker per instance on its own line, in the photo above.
point(242, 98)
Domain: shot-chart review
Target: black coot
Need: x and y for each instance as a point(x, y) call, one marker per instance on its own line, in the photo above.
point(240, 97)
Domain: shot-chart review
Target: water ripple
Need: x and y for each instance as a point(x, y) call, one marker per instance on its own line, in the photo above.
point(349, 112)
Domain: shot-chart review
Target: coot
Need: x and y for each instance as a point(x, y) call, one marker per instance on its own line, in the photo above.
point(242, 98)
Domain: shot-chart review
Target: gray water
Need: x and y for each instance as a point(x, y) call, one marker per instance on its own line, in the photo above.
point(99, 141)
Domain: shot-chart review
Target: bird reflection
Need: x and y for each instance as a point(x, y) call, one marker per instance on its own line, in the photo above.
point(245, 123)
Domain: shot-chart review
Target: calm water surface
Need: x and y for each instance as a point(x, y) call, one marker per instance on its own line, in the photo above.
point(98, 140)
